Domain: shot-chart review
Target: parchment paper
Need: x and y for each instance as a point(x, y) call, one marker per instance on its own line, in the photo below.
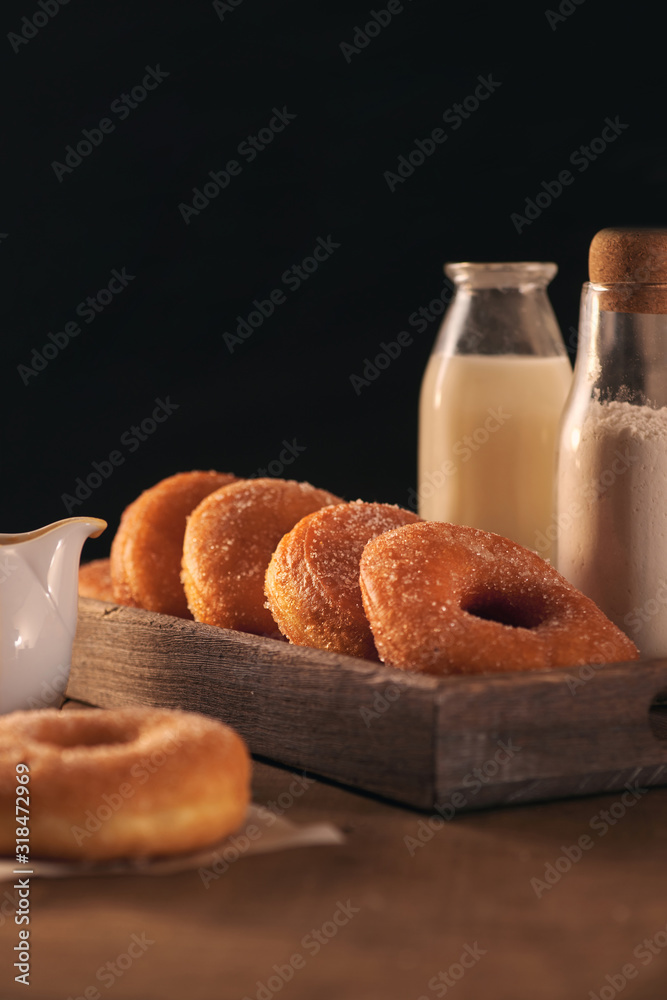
point(263, 831)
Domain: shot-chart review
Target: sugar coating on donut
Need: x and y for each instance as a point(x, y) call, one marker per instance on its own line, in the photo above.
point(131, 782)
point(229, 541)
point(147, 549)
point(95, 580)
point(446, 599)
point(312, 583)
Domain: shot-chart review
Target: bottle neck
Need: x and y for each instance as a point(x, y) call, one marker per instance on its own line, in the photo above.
point(509, 320)
point(620, 355)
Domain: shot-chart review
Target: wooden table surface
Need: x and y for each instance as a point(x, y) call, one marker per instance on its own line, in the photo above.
point(456, 916)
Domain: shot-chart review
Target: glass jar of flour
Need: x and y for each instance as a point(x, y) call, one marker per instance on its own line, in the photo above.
point(612, 465)
point(491, 400)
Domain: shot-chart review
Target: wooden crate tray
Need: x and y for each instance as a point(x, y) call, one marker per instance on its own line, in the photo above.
point(451, 743)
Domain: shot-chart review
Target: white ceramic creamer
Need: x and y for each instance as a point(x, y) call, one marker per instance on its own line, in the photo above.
point(39, 577)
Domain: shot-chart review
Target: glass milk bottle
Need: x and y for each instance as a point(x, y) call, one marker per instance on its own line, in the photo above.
point(491, 399)
point(612, 464)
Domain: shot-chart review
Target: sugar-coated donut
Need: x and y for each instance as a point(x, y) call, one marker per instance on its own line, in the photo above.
point(146, 551)
point(116, 783)
point(445, 599)
point(229, 540)
point(95, 580)
point(312, 583)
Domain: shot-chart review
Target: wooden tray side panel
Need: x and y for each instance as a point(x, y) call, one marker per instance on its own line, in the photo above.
point(449, 744)
point(535, 736)
point(342, 718)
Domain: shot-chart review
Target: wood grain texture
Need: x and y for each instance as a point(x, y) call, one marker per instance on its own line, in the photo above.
point(454, 743)
point(419, 901)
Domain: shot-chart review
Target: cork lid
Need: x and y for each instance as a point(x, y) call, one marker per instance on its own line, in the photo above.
point(632, 263)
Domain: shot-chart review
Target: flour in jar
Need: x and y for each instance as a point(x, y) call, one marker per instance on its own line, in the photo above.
point(612, 516)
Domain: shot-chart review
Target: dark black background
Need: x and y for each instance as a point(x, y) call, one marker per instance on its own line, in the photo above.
point(321, 176)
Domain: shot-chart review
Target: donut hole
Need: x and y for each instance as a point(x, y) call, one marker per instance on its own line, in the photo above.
point(85, 733)
point(507, 609)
